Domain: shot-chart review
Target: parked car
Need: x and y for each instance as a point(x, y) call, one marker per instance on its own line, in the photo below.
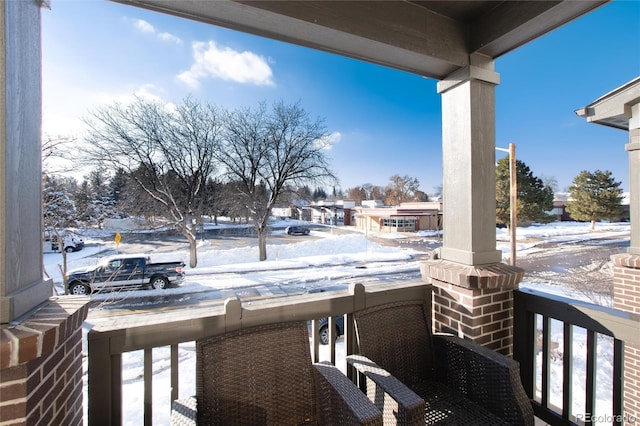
point(324, 329)
point(55, 242)
point(121, 272)
point(297, 230)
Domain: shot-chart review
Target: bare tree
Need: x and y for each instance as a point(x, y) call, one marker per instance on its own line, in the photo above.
point(55, 149)
point(357, 194)
point(377, 193)
point(168, 150)
point(368, 190)
point(264, 152)
point(401, 189)
point(58, 209)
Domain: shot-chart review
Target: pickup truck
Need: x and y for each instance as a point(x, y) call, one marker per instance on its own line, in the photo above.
point(124, 271)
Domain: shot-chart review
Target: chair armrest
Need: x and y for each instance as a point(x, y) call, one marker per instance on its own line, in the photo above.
point(184, 412)
point(340, 401)
point(399, 404)
point(486, 377)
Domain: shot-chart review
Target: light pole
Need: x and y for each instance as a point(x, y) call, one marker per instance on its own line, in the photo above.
point(513, 198)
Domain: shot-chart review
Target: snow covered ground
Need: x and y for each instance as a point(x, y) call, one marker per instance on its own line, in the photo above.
point(310, 259)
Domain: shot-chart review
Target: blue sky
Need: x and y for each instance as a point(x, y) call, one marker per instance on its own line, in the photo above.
point(382, 121)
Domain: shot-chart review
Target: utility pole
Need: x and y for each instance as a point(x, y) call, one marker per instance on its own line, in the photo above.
point(513, 216)
point(513, 199)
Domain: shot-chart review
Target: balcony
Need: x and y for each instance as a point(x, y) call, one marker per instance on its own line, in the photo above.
point(109, 343)
point(41, 340)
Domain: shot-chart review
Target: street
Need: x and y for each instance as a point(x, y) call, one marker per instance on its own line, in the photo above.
point(580, 265)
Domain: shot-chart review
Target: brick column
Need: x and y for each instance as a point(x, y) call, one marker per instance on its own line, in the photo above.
point(41, 365)
point(474, 302)
point(626, 297)
point(626, 270)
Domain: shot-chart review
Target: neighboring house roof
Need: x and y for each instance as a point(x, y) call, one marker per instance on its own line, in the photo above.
point(405, 209)
point(614, 108)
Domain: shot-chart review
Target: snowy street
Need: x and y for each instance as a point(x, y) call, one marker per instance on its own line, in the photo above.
point(332, 258)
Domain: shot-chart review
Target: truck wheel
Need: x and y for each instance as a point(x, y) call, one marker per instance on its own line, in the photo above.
point(159, 283)
point(79, 289)
point(69, 249)
point(324, 335)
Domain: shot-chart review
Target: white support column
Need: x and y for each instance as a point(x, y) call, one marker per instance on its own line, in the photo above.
point(469, 177)
point(469, 278)
point(633, 148)
point(22, 287)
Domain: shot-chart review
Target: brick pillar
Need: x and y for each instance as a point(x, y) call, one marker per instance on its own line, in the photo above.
point(41, 365)
point(626, 297)
point(474, 302)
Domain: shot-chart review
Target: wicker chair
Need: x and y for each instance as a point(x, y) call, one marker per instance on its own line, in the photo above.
point(416, 377)
point(264, 376)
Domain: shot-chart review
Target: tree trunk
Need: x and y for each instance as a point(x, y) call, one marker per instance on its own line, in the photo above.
point(64, 268)
point(262, 243)
point(193, 252)
point(193, 249)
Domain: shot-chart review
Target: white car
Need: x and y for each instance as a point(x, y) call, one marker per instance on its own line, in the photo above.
point(70, 242)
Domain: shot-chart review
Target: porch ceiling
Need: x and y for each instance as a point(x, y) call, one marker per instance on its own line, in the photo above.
point(429, 38)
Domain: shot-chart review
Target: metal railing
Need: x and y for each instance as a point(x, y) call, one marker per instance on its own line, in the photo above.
point(539, 320)
point(109, 341)
point(567, 348)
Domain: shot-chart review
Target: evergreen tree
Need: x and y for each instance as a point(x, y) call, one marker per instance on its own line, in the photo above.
point(83, 200)
point(594, 196)
point(210, 199)
point(319, 194)
point(304, 193)
point(534, 197)
point(93, 199)
point(117, 185)
point(59, 210)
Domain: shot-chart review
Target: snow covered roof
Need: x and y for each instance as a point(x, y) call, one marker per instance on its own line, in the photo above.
point(613, 108)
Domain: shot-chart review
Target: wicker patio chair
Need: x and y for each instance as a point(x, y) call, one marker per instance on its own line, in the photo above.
point(264, 376)
point(415, 377)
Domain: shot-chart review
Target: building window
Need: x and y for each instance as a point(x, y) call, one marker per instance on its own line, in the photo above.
point(400, 224)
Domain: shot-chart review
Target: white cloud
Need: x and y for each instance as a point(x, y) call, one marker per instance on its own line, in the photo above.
point(65, 117)
point(56, 123)
point(329, 141)
point(168, 37)
point(146, 28)
point(226, 64)
point(148, 92)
